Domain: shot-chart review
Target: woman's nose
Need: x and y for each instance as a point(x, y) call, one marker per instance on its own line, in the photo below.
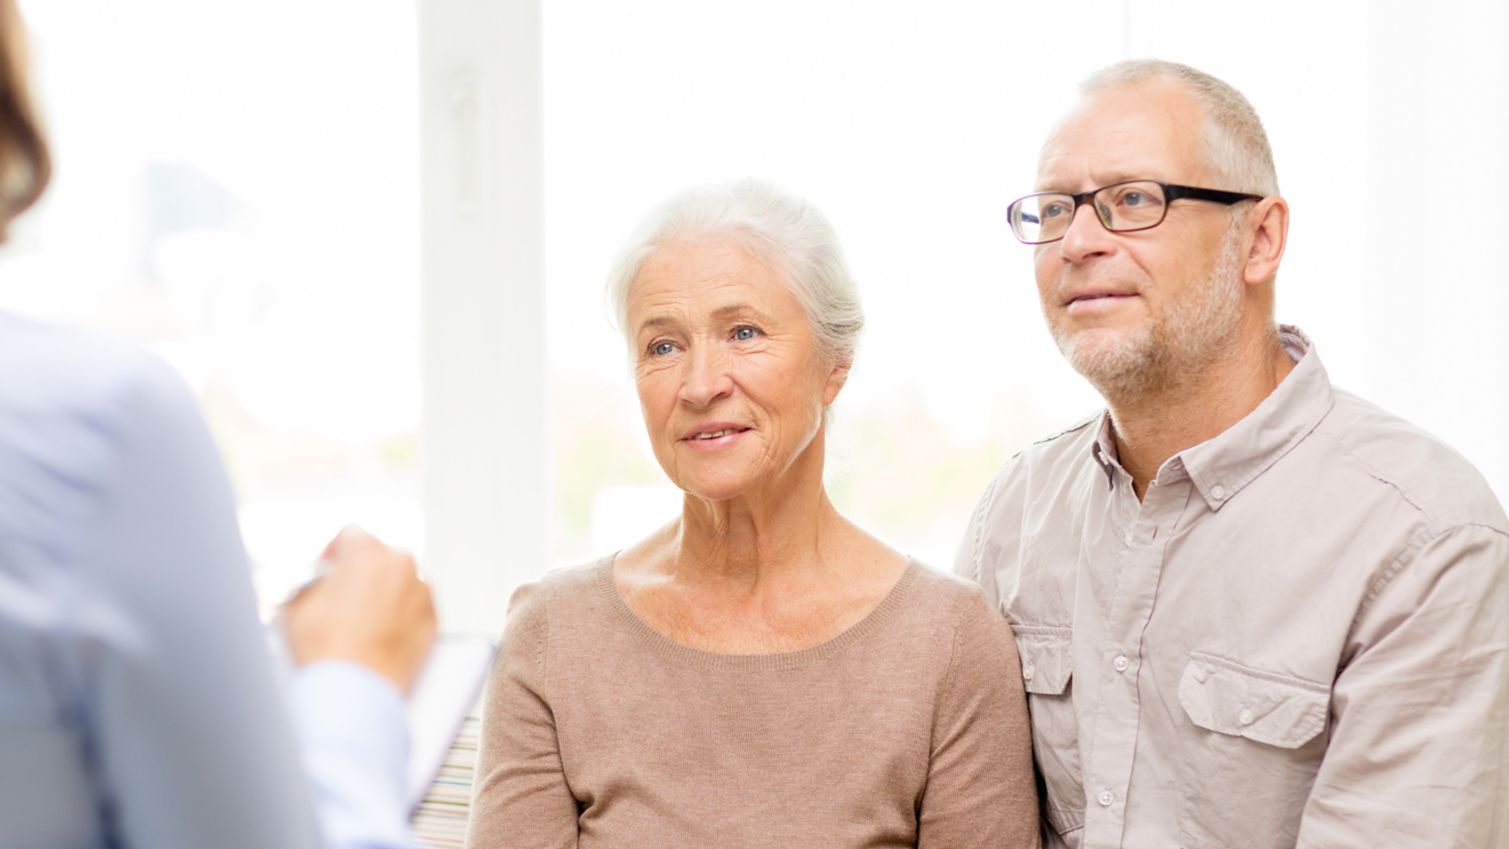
point(706, 376)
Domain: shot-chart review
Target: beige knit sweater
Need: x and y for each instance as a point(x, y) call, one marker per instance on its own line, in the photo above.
point(908, 729)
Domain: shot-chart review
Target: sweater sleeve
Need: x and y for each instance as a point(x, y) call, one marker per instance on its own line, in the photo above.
point(521, 799)
point(980, 787)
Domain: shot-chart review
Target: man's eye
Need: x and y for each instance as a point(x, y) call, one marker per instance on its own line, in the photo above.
point(1053, 209)
point(660, 349)
point(1136, 198)
point(744, 333)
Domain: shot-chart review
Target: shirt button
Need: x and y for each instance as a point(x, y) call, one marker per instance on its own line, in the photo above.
point(1129, 537)
point(1218, 492)
point(1027, 670)
point(1105, 798)
point(1244, 716)
point(1120, 663)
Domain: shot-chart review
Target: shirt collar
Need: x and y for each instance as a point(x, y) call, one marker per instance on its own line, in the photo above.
point(1222, 466)
point(1104, 448)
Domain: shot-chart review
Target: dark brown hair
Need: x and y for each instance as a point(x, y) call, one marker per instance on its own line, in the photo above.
point(25, 165)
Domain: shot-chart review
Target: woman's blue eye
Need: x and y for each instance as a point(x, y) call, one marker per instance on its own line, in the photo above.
point(745, 333)
point(661, 349)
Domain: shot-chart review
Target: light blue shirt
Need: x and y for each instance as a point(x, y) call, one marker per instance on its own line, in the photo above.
point(138, 703)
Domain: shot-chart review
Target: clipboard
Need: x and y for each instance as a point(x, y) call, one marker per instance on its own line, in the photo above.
point(442, 697)
point(439, 701)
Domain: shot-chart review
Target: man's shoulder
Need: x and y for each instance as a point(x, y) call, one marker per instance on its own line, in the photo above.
point(1424, 471)
point(1084, 428)
point(1067, 442)
point(1044, 466)
point(1061, 451)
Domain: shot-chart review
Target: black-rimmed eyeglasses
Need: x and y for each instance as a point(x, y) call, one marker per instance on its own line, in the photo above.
point(1122, 207)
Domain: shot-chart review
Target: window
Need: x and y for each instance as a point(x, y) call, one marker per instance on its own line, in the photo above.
point(237, 190)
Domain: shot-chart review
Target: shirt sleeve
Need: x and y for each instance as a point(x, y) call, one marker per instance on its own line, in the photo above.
point(967, 558)
point(1419, 753)
point(980, 786)
point(968, 562)
point(189, 738)
point(521, 799)
point(351, 722)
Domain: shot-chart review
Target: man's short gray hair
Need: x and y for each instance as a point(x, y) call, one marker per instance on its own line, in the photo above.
point(1236, 146)
point(781, 229)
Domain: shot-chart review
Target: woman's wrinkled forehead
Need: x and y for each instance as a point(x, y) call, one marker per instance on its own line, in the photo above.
point(703, 276)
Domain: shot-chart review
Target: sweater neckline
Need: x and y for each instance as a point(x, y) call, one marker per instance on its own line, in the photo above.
point(877, 617)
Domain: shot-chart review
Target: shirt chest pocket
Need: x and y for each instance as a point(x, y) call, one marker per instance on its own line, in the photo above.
point(1225, 697)
point(1047, 674)
point(1257, 745)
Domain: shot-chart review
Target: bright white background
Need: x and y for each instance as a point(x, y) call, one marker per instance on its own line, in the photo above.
point(239, 187)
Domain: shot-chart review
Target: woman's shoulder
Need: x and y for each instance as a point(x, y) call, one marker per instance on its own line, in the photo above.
point(564, 605)
point(953, 610)
point(562, 594)
point(565, 584)
point(72, 407)
point(71, 398)
point(948, 596)
point(53, 369)
point(973, 633)
point(938, 623)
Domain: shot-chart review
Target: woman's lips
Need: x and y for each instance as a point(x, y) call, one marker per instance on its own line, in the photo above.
point(714, 438)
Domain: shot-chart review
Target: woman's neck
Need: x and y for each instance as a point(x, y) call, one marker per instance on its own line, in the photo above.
point(778, 530)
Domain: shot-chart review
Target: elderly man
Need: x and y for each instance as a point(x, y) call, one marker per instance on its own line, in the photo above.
point(1253, 610)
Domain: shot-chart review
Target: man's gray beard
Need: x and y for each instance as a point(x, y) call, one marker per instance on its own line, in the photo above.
point(1174, 348)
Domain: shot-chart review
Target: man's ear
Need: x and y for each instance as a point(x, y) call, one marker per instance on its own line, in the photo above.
point(836, 380)
point(1271, 219)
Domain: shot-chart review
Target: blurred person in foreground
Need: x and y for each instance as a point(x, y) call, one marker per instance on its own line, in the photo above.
point(759, 672)
point(1253, 610)
point(138, 704)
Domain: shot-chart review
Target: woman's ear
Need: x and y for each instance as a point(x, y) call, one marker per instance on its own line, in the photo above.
point(836, 380)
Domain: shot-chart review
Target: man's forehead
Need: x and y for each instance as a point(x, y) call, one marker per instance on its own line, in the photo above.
point(1135, 131)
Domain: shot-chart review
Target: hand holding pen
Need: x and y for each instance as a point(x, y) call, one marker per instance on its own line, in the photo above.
point(367, 605)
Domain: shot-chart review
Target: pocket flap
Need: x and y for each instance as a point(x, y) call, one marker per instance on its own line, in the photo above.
point(1229, 698)
point(1047, 657)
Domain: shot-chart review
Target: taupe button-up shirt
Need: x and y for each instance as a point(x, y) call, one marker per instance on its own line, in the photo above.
point(1300, 636)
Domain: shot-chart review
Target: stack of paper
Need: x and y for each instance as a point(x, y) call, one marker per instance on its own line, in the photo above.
point(440, 820)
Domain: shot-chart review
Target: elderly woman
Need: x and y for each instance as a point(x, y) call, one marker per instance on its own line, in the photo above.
point(760, 672)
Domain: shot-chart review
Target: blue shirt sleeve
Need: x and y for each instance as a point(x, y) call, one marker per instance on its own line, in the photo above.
point(351, 721)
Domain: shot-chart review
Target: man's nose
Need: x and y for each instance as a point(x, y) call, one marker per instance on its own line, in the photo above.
point(706, 376)
point(1086, 236)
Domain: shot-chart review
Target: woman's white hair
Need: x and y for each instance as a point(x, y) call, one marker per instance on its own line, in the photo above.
point(781, 229)
point(1236, 146)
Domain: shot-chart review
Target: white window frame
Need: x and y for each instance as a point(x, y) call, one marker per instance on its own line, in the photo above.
point(486, 482)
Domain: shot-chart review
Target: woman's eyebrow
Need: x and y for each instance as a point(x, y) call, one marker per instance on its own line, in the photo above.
point(738, 309)
point(723, 313)
point(655, 322)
